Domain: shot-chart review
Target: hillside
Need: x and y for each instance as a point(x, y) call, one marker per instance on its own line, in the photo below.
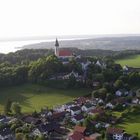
point(104, 43)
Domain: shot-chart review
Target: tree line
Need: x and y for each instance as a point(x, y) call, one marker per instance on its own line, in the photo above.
point(27, 55)
point(44, 68)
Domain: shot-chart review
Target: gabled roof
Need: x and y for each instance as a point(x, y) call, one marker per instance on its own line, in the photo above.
point(80, 100)
point(79, 117)
point(88, 105)
point(48, 127)
point(75, 108)
point(65, 53)
point(120, 100)
point(77, 136)
point(87, 138)
point(30, 119)
point(59, 115)
point(97, 110)
point(80, 129)
point(113, 130)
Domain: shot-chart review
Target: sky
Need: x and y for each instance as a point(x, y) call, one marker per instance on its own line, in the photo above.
point(33, 18)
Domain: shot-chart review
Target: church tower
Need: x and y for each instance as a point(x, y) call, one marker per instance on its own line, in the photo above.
point(56, 48)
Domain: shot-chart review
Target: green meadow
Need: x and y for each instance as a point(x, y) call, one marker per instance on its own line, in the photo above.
point(132, 124)
point(132, 61)
point(34, 97)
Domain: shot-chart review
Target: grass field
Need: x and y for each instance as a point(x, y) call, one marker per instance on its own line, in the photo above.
point(34, 97)
point(132, 124)
point(133, 61)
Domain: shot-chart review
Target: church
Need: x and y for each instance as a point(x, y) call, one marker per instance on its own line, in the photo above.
point(62, 53)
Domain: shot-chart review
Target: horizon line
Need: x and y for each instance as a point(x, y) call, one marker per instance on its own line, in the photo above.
point(49, 37)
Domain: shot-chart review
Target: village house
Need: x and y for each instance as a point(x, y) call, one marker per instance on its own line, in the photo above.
point(120, 100)
point(135, 100)
point(75, 110)
point(99, 111)
point(96, 84)
point(87, 107)
point(100, 101)
point(118, 93)
point(59, 108)
point(31, 120)
point(59, 116)
point(77, 118)
point(45, 128)
point(122, 92)
point(74, 74)
point(69, 105)
point(81, 100)
point(79, 134)
point(4, 119)
point(94, 101)
point(114, 133)
point(101, 64)
point(109, 105)
point(85, 65)
point(127, 69)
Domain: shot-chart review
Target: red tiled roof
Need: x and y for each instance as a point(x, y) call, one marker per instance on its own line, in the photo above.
point(79, 129)
point(77, 136)
point(59, 115)
point(81, 100)
point(112, 130)
point(87, 138)
point(97, 110)
point(65, 53)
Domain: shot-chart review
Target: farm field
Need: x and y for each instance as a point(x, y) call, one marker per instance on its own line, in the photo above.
point(34, 97)
point(132, 61)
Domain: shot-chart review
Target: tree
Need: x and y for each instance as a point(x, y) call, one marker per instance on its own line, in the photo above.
point(44, 68)
point(16, 108)
point(103, 135)
point(40, 138)
point(102, 93)
point(118, 84)
point(19, 136)
point(7, 107)
point(95, 94)
point(109, 97)
point(72, 81)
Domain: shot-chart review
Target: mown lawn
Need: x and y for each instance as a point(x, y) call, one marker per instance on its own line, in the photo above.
point(131, 124)
point(34, 97)
point(133, 61)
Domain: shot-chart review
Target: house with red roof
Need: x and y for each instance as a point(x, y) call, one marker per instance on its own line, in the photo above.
point(99, 111)
point(115, 133)
point(79, 134)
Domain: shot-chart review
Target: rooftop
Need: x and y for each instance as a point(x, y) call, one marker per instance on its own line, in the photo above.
point(65, 53)
point(113, 130)
point(79, 129)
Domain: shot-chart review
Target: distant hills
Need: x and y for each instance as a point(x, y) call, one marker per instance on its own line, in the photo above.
point(115, 43)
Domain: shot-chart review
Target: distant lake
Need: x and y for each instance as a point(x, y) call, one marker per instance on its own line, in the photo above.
point(12, 46)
